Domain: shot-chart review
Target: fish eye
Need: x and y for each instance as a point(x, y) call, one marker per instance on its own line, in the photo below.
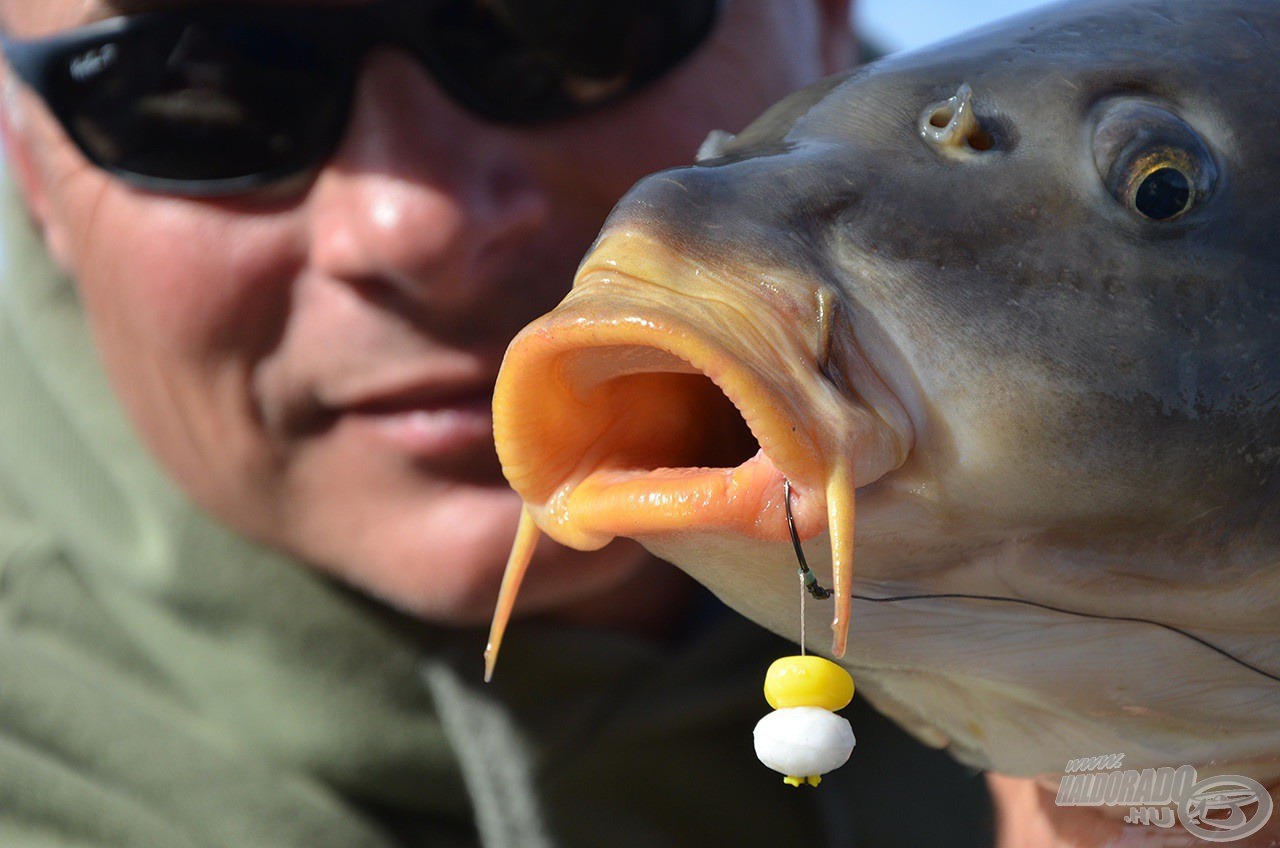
point(1163, 193)
point(1151, 161)
point(1160, 185)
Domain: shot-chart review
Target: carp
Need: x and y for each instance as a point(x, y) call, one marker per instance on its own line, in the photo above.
point(1017, 298)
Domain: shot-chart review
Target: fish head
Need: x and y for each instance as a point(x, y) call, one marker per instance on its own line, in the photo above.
point(1018, 296)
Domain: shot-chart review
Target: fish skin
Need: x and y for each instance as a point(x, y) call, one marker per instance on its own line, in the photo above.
point(1093, 399)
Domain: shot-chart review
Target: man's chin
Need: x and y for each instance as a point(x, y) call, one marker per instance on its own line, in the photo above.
point(456, 584)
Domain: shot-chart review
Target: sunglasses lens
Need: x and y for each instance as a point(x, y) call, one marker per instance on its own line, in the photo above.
point(227, 100)
point(532, 60)
point(204, 102)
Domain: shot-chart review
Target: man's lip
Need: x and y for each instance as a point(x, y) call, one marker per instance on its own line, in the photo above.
point(446, 424)
point(449, 433)
point(412, 398)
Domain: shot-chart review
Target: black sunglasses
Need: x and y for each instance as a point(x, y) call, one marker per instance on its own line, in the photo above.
point(222, 100)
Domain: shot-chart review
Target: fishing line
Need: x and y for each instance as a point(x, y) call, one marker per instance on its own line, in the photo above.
point(803, 651)
point(810, 582)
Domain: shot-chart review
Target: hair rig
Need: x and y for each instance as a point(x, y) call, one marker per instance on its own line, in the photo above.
point(803, 738)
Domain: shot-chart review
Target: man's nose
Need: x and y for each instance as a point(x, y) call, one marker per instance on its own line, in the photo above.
point(421, 197)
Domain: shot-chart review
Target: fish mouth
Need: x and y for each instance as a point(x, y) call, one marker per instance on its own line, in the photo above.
point(645, 427)
point(660, 399)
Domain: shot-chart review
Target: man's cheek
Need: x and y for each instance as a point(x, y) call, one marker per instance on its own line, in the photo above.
point(186, 281)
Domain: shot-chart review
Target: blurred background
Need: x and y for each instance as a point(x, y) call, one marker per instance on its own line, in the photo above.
point(893, 25)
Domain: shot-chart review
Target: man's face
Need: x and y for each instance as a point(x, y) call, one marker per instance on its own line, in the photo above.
point(313, 364)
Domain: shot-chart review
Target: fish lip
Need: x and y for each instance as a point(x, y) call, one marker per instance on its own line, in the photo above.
point(749, 501)
point(568, 332)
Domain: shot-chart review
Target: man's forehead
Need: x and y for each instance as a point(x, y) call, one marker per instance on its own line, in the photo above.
point(40, 17)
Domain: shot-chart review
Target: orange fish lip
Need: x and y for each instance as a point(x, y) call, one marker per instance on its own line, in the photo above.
point(585, 500)
point(746, 500)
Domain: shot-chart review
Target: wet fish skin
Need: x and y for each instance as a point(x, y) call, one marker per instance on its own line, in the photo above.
point(1089, 399)
point(1138, 353)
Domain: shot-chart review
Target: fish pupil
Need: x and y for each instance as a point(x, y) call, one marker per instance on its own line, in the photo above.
point(1164, 193)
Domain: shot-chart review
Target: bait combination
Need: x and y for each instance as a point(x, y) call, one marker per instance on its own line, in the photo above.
point(803, 738)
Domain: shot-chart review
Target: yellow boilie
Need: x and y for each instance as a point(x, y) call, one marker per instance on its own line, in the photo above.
point(807, 682)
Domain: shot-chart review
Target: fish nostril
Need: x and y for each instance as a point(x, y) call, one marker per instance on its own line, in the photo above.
point(942, 117)
point(980, 140)
point(952, 125)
